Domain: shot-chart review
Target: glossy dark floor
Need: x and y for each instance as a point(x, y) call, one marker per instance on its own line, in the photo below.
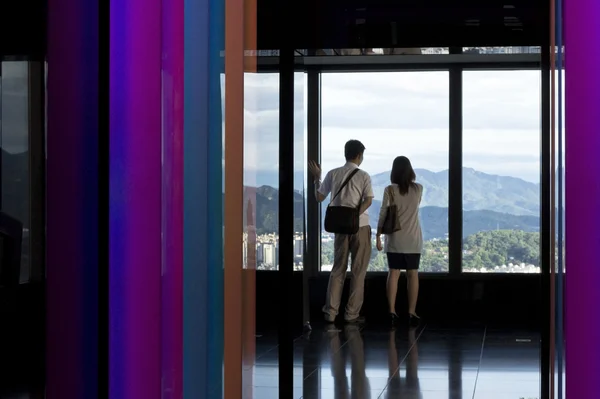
point(425, 363)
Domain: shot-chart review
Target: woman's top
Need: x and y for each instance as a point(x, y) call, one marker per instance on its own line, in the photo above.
point(409, 239)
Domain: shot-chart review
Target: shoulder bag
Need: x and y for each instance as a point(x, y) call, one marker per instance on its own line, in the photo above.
point(342, 219)
point(391, 224)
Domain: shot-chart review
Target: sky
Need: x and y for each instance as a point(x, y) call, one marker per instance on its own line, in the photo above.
point(392, 113)
point(403, 113)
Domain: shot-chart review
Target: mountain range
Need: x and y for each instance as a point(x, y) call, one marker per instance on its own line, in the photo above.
point(490, 202)
point(481, 191)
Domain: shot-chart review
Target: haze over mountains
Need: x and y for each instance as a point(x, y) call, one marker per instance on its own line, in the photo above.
point(490, 202)
point(480, 191)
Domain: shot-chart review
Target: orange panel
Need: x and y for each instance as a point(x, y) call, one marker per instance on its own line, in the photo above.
point(234, 168)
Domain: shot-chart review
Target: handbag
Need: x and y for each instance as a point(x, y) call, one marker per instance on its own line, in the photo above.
point(342, 219)
point(391, 224)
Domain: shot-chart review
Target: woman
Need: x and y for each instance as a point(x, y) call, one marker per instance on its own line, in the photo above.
point(403, 248)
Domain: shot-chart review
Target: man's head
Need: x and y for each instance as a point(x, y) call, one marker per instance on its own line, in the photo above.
point(354, 151)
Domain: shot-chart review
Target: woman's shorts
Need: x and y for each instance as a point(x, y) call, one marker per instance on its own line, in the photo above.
point(398, 261)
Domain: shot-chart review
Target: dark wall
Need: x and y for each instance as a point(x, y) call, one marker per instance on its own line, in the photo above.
point(497, 299)
point(22, 338)
point(23, 28)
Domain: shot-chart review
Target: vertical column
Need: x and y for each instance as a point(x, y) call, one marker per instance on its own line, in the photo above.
point(135, 199)
point(72, 200)
point(455, 179)
point(286, 221)
point(582, 213)
point(312, 261)
point(37, 171)
point(172, 197)
point(196, 233)
point(234, 193)
point(216, 69)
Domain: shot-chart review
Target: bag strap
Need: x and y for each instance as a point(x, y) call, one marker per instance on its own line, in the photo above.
point(344, 185)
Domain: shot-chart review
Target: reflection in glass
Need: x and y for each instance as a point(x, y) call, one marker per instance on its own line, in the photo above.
point(392, 114)
point(300, 148)
point(261, 168)
point(15, 150)
point(501, 192)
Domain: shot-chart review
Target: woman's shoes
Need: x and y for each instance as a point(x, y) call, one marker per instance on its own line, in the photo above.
point(414, 320)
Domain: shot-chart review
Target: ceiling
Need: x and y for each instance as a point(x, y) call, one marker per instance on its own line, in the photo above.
point(23, 28)
point(402, 23)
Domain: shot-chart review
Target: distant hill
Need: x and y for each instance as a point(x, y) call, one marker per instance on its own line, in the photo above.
point(434, 219)
point(481, 191)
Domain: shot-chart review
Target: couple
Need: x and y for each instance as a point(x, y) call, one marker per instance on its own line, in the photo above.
point(403, 247)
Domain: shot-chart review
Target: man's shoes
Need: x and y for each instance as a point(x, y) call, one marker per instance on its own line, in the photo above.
point(356, 320)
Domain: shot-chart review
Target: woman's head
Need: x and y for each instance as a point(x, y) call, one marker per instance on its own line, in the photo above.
point(402, 174)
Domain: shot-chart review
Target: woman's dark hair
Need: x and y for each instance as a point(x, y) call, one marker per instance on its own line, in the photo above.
point(403, 174)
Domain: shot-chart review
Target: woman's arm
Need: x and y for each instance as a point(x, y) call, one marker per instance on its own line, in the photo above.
point(382, 212)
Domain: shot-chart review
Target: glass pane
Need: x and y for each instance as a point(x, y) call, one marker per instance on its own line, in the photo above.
point(392, 114)
point(300, 171)
point(15, 151)
point(261, 165)
point(501, 158)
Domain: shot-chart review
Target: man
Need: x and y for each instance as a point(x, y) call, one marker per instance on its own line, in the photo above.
point(357, 193)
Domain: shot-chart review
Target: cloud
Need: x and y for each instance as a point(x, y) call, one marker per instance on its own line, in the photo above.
point(502, 100)
point(407, 113)
point(385, 100)
point(261, 118)
point(393, 113)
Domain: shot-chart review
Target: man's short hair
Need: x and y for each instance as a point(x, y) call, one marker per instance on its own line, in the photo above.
point(353, 149)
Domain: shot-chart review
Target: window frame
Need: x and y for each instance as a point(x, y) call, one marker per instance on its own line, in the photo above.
point(455, 64)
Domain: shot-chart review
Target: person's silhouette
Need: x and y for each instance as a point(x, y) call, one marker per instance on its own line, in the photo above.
point(358, 387)
point(407, 387)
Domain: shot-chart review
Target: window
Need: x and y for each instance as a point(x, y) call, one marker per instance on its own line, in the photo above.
point(380, 51)
point(392, 114)
point(14, 143)
point(261, 168)
point(501, 158)
point(503, 50)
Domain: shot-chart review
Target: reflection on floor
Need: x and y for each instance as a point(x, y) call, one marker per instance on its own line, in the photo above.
point(30, 395)
point(423, 363)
